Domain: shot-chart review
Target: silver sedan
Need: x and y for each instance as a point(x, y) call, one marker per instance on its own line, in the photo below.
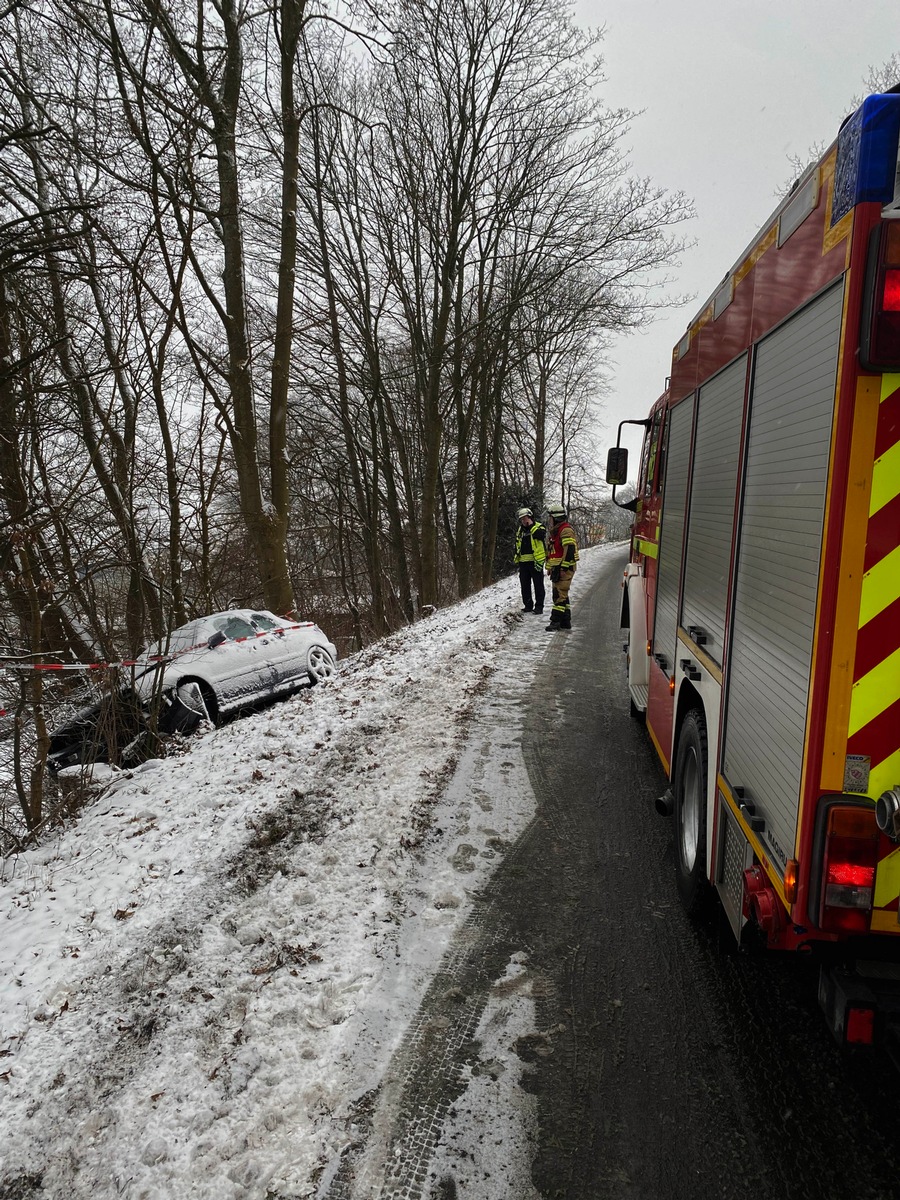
point(231, 660)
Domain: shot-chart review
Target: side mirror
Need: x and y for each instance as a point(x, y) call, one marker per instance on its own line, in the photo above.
point(217, 639)
point(617, 466)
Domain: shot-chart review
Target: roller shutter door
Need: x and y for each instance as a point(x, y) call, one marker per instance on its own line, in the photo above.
point(776, 587)
point(716, 459)
point(678, 446)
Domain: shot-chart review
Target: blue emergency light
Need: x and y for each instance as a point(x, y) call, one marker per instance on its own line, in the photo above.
point(867, 155)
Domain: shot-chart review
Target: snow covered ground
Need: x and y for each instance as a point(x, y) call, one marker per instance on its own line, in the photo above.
point(202, 976)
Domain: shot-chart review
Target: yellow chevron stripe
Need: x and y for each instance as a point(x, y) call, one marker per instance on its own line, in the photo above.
point(885, 775)
point(880, 587)
point(885, 478)
point(875, 692)
point(887, 880)
point(889, 384)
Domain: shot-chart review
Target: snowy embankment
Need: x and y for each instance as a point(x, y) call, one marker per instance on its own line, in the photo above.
point(201, 972)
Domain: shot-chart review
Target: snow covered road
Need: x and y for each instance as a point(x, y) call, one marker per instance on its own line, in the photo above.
point(213, 981)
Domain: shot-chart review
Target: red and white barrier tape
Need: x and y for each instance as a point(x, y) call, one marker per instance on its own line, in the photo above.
point(81, 666)
point(141, 662)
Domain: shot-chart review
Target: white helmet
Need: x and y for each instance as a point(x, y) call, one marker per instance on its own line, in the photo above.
point(557, 512)
point(524, 512)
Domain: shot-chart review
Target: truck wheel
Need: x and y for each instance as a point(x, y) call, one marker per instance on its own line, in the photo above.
point(689, 786)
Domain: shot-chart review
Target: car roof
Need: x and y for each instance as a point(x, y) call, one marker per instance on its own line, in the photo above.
point(198, 623)
point(245, 614)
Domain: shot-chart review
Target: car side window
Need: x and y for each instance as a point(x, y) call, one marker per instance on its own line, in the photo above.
point(262, 622)
point(235, 628)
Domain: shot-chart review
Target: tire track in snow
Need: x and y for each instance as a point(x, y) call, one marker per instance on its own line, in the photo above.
point(400, 1126)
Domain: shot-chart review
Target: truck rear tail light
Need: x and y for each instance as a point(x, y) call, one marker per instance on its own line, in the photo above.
point(848, 870)
point(879, 348)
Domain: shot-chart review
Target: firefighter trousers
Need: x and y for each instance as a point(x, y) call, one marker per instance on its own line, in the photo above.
point(561, 613)
point(530, 577)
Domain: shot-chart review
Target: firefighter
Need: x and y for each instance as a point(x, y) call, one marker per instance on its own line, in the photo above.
point(530, 554)
point(562, 555)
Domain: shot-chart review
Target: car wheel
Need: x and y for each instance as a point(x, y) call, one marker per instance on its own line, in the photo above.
point(182, 710)
point(196, 701)
point(319, 664)
point(690, 814)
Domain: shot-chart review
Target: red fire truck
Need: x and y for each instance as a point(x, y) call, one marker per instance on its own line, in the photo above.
point(762, 597)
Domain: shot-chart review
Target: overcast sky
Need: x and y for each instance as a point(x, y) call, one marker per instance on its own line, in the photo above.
point(729, 91)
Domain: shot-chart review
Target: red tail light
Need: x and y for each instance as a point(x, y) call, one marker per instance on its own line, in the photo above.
point(859, 1029)
point(848, 870)
point(879, 348)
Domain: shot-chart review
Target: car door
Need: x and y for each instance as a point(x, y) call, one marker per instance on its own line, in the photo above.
point(277, 644)
point(239, 667)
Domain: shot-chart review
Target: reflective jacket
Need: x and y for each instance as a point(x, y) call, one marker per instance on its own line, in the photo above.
point(563, 548)
point(530, 544)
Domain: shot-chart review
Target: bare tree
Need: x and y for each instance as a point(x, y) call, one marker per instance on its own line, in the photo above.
point(206, 88)
point(499, 177)
point(881, 78)
point(304, 317)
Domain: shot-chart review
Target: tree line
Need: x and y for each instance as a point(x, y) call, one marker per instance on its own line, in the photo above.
point(296, 302)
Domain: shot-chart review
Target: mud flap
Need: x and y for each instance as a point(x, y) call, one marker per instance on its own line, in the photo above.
point(849, 1005)
point(862, 1005)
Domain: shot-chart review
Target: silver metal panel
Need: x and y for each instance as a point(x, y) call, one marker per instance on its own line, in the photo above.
point(733, 859)
point(776, 586)
point(799, 207)
point(716, 461)
point(678, 446)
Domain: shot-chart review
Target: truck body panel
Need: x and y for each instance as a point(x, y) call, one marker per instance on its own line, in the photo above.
point(765, 564)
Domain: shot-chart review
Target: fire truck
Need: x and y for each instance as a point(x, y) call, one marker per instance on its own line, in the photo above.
point(762, 595)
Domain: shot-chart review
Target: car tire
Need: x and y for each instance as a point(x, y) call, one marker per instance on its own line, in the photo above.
point(689, 787)
point(191, 718)
point(319, 665)
point(176, 716)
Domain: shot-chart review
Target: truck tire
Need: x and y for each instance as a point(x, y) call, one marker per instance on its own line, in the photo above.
point(689, 787)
